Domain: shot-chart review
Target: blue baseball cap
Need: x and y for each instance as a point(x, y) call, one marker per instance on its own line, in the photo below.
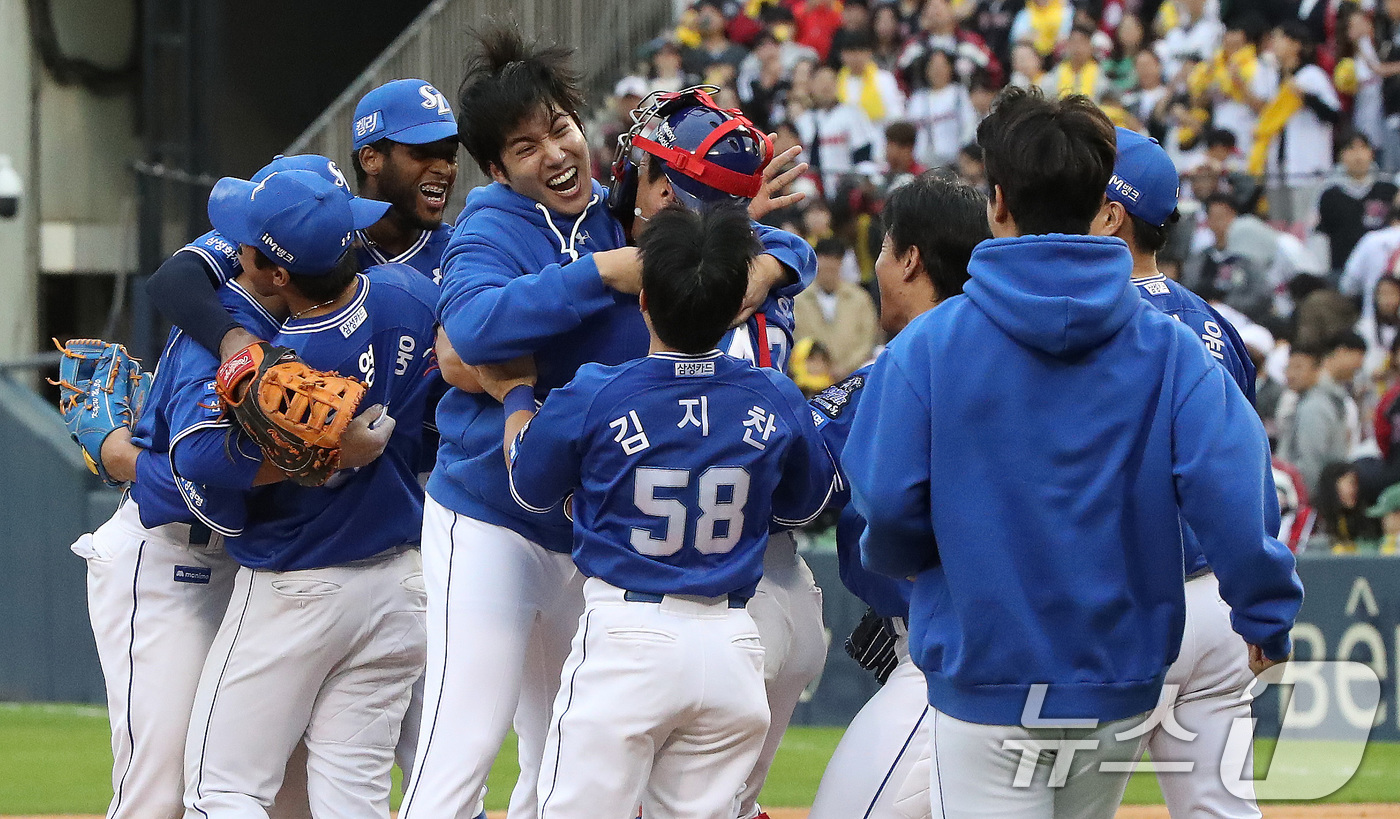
point(1144, 179)
point(326, 168)
point(411, 112)
point(297, 218)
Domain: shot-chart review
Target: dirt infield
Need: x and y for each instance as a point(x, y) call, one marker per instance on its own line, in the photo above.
point(1129, 812)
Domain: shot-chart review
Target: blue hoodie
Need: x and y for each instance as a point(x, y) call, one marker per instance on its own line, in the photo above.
point(519, 279)
point(1052, 429)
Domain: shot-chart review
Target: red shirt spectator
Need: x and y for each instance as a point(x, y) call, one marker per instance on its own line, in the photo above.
point(817, 22)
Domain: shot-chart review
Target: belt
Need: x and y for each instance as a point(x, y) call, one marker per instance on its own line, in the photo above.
point(735, 601)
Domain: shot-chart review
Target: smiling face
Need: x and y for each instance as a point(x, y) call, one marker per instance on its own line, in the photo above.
point(546, 159)
point(416, 180)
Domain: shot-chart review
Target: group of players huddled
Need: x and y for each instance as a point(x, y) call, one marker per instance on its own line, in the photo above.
point(569, 502)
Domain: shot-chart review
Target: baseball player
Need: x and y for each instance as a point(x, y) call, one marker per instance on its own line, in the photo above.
point(158, 577)
point(678, 462)
point(324, 635)
point(1205, 686)
point(537, 266)
point(1044, 480)
point(401, 156)
point(931, 228)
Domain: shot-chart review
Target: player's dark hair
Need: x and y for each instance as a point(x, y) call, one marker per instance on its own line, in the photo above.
point(506, 82)
point(695, 271)
point(943, 218)
point(329, 285)
point(1052, 159)
point(1150, 238)
point(384, 146)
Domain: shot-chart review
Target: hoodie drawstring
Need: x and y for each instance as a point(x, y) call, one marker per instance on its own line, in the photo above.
point(568, 248)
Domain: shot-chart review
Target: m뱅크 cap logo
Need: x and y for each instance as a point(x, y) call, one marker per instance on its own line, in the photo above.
point(1124, 189)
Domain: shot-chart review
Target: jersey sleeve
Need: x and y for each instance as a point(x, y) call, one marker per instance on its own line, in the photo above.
point(493, 311)
point(545, 458)
point(886, 461)
point(1220, 451)
point(184, 293)
point(808, 481)
point(205, 448)
point(795, 254)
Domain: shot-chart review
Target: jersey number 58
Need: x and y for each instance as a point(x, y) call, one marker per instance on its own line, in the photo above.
point(723, 494)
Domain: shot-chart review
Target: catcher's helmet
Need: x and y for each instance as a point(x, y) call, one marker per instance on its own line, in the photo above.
point(709, 154)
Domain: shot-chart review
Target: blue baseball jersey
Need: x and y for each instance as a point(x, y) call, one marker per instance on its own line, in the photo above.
point(1225, 347)
point(424, 255)
point(182, 407)
point(519, 279)
point(384, 337)
point(832, 409)
point(220, 256)
point(678, 465)
point(773, 326)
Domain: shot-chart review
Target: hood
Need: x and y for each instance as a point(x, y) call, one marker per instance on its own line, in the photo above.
point(564, 227)
point(1059, 294)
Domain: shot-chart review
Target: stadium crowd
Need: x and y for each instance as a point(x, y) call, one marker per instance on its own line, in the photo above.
point(1282, 117)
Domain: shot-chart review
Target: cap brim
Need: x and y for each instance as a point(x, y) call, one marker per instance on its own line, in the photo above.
point(366, 212)
point(229, 208)
point(424, 133)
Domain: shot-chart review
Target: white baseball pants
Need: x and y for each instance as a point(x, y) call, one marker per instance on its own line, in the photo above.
point(501, 613)
point(326, 654)
point(880, 768)
point(787, 609)
point(976, 774)
point(661, 703)
point(1208, 680)
point(155, 602)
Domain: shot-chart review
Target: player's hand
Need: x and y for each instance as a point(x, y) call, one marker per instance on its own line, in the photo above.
point(770, 196)
point(499, 379)
point(765, 272)
point(620, 269)
point(454, 372)
point(235, 340)
point(1258, 663)
point(365, 438)
point(119, 455)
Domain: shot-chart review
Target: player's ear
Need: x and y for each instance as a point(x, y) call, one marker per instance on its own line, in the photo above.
point(997, 212)
point(642, 300)
point(371, 160)
point(1109, 220)
point(499, 175)
point(913, 262)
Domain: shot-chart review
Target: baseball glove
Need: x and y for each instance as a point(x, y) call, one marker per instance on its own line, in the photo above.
point(871, 645)
point(296, 414)
point(101, 388)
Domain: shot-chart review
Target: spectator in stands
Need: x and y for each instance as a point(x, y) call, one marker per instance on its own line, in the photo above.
point(866, 85)
point(890, 35)
point(901, 166)
point(971, 168)
point(1193, 38)
point(941, 112)
point(1355, 203)
point(1233, 83)
point(1044, 24)
point(855, 25)
point(993, 19)
point(1345, 358)
point(1387, 417)
point(1387, 64)
point(811, 366)
point(1379, 324)
point(1121, 66)
point(1387, 508)
point(1259, 342)
point(1358, 45)
point(940, 32)
point(1321, 313)
point(667, 72)
point(1342, 521)
point(763, 84)
point(1376, 254)
point(838, 136)
point(817, 23)
point(1148, 102)
point(1293, 142)
point(714, 46)
point(838, 314)
point(1230, 271)
point(1078, 72)
point(1027, 66)
point(1315, 433)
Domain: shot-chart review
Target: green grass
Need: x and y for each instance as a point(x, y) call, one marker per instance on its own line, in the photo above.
point(57, 759)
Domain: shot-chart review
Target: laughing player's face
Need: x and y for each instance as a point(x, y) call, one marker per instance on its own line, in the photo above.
point(418, 179)
point(546, 159)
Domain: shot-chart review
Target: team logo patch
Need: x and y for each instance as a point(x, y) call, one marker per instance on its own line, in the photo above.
point(1157, 288)
point(193, 574)
point(833, 399)
point(694, 369)
point(367, 124)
